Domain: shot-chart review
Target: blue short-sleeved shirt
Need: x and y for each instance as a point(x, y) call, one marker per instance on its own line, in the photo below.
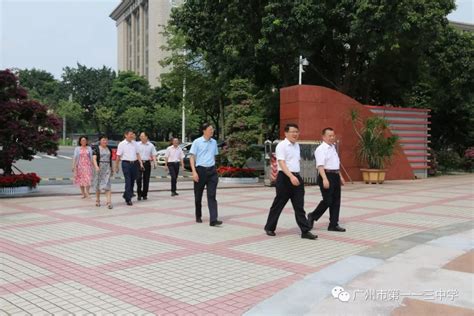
point(204, 151)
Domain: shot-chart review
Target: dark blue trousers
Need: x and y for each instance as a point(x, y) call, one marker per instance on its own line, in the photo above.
point(130, 172)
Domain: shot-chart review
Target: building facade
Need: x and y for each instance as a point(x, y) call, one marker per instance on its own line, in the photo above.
point(140, 25)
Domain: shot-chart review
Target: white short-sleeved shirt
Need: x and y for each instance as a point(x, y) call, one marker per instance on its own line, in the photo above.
point(326, 156)
point(290, 153)
point(127, 150)
point(174, 154)
point(147, 151)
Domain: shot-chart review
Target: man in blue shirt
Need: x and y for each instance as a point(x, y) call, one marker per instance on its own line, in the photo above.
point(203, 164)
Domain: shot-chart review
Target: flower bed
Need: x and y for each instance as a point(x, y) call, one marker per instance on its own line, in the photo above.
point(30, 180)
point(235, 172)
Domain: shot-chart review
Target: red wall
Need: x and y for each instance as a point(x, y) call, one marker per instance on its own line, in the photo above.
point(314, 108)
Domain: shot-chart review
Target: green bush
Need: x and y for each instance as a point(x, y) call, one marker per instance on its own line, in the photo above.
point(449, 160)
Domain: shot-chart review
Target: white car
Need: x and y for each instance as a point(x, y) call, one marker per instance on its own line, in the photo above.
point(160, 155)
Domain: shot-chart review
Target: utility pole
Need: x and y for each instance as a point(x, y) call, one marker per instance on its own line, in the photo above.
point(183, 123)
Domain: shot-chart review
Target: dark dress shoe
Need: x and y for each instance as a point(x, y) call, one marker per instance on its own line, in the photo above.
point(174, 193)
point(310, 220)
point(129, 203)
point(270, 233)
point(336, 229)
point(216, 223)
point(308, 235)
point(145, 198)
point(198, 220)
point(139, 198)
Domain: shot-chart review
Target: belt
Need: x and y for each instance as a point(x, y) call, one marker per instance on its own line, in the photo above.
point(293, 173)
point(331, 170)
point(207, 168)
point(130, 161)
point(174, 162)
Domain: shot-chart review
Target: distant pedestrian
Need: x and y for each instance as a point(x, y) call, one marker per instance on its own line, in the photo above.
point(102, 159)
point(147, 153)
point(289, 184)
point(329, 181)
point(174, 157)
point(128, 156)
point(203, 164)
point(82, 166)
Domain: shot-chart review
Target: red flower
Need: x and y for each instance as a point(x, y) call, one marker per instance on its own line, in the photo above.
point(19, 180)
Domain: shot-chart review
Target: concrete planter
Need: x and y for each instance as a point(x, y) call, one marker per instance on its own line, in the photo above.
point(374, 176)
point(230, 180)
point(14, 191)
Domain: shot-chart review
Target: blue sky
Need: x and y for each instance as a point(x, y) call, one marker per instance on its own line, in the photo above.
point(53, 34)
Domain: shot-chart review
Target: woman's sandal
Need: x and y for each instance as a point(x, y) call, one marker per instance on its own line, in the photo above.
point(97, 203)
point(110, 206)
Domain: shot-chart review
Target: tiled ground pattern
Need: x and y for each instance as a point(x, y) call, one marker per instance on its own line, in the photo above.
point(64, 255)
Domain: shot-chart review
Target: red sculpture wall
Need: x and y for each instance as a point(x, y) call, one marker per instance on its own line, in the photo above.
point(314, 108)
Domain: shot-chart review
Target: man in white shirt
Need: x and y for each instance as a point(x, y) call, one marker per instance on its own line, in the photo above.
point(127, 153)
point(147, 153)
point(329, 180)
point(289, 184)
point(174, 156)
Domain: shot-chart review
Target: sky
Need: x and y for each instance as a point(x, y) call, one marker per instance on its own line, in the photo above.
point(52, 34)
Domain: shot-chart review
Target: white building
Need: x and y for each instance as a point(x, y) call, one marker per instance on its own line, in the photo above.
point(140, 24)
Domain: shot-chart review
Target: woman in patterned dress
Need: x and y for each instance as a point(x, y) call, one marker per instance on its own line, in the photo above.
point(82, 166)
point(102, 160)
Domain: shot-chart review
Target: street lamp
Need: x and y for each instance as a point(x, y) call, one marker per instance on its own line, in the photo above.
point(302, 62)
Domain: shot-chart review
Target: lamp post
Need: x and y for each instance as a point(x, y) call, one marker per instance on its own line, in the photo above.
point(302, 62)
point(183, 122)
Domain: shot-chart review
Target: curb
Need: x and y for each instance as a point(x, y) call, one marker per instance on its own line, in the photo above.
point(113, 178)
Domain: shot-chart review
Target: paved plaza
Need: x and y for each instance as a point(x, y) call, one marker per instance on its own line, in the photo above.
point(412, 239)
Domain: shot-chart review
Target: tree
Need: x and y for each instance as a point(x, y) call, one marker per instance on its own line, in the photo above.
point(74, 114)
point(107, 120)
point(26, 126)
point(129, 90)
point(446, 87)
point(42, 86)
point(243, 124)
point(89, 86)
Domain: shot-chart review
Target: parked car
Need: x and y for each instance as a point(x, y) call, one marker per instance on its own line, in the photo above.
point(160, 156)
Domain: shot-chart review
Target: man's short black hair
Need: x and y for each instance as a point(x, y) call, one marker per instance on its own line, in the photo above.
point(327, 129)
point(128, 130)
point(205, 126)
point(145, 133)
point(287, 127)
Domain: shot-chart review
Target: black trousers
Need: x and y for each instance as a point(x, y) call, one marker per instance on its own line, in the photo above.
point(130, 171)
point(207, 178)
point(143, 179)
point(285, 191)
point(173, 168)
point(331, 199)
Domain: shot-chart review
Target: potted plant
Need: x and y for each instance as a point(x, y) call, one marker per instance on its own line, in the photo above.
point(375, 147)
point(18, 184)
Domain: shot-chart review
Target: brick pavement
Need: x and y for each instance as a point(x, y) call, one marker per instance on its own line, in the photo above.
point(64, 255)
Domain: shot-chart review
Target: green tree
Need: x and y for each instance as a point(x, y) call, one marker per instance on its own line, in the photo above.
point(446, 87)
point(107, 120)
point(129, 90)
point(74, 114)
point(42, 86)
point(88, 86)
point(243, 124)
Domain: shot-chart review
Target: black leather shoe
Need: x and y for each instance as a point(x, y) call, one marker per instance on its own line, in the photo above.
point(336, 229)
point(216, 223)
point(198, 220)
point(129, 203)
point(308, 235)
point(145, 198)
point(139, 198)
point(270, 233)
point(174, 193)
point(310, 220)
